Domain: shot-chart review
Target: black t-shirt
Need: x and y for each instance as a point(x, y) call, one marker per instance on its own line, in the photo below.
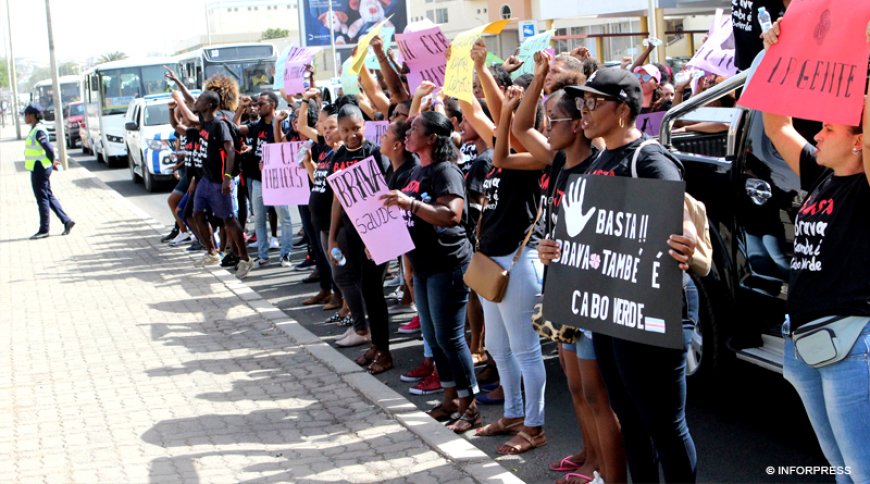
point(320, 200)
point(437, 249)
point(829, 267)
point(512, 197)
point(747, 31)
point(475, 172)
point(259, 135)
point(653, 162)
point(344, 158)
point(397, 179)
point(192, 161)
point(212, 135)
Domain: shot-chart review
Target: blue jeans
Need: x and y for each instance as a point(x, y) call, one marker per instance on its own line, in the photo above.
point(513, 342)
point(837, 400)
point(284, 220)
point(441, 300)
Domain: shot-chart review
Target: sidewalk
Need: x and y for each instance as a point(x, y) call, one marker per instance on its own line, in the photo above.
point(121, 362)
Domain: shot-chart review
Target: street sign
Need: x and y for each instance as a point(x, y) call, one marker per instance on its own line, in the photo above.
point(527, 28)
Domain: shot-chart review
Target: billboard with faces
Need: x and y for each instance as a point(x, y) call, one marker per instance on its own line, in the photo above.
point(350, 19)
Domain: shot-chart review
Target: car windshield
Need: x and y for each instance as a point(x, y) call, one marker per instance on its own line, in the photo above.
point(120, 86)
point(252, 77)
point(76, 109)
point(157, 114)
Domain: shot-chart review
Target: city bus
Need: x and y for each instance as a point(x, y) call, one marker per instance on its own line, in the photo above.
point(43, 95)
point(107, 90)
point(251, 65)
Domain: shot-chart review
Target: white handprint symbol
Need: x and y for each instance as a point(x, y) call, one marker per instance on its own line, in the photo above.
point(575, 219)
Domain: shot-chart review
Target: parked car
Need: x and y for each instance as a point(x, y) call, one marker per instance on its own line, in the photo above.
point(75, 123)
point(150, 140)
point(752, 198)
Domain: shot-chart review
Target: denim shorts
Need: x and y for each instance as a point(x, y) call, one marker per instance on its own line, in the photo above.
point(583, 346)
point(182, 185)
point(208, 198)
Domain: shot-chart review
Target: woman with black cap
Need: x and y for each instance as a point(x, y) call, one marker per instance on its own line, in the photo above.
point(646, 384)
point(38, 151)
point(434, 201)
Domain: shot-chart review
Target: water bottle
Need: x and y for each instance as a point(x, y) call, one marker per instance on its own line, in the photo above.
point(338, 256)
point(652, 40)
point(764, 19)
point(681, 77)
point(300, 155)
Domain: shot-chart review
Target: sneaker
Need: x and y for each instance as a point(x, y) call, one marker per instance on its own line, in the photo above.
point(252, 243)
point(410, 327)
point(171, 235)
point(346, 321)
point(419, 373)
point(431, 384)
point(229, 260)
point(285, 261)
point(397, 294)
point(244, 268)
point(195, 246)
point(39, 235)
point(259, 263)
point(334, 318)
point(67, 227)
point(302, 242)
point(274, 244)
point(304, 265)
point(394, 281)
point(180, 239)
point(209, 260)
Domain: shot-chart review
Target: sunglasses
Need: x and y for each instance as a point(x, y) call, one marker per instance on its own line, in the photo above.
point(643, 76)
point(590, 103)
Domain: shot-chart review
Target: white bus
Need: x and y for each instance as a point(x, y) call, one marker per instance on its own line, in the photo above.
point(43, 95)
point(107, 90)
point(251, 65)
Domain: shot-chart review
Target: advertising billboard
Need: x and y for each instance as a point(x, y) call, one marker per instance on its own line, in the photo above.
point(350, 19)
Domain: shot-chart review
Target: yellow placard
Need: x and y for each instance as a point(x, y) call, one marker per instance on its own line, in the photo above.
point(460, 68)
point(362, 47)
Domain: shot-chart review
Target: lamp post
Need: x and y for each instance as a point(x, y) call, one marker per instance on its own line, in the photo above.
point(13, 79)
point(55, 85)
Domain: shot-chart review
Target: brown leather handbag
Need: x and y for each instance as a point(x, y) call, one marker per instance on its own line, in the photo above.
point(485, 276)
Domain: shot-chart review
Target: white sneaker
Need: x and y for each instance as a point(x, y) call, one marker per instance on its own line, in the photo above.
point(258, 263)
point(244, 268)
point(181, 239)
point(396, 281)
point(274, 244)
point(285, 261)
point(209, 260)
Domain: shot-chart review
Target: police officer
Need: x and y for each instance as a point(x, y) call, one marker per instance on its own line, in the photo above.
point(39, 161)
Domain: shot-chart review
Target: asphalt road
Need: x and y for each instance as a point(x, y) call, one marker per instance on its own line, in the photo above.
point(742, 423)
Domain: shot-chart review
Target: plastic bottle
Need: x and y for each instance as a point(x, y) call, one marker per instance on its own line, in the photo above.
point(652, 40)
point(764, 19)
point(681, 77)
point(338, 256)
point(303, 149)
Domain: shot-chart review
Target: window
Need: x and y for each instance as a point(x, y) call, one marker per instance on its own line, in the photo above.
point(430, 14)
point(441, 16)
point(156, 114)
point(506, 11)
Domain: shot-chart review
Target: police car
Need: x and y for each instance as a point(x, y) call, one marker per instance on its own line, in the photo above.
point(150, 140)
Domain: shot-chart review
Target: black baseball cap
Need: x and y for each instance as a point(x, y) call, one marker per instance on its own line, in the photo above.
point(614, 83)
point(33, 109)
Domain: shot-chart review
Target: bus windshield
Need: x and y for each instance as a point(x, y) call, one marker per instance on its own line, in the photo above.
point(252, 76)
point(44, 95)
point(120, 86)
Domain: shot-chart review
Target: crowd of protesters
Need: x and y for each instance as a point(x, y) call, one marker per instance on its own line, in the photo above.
point(470, 177)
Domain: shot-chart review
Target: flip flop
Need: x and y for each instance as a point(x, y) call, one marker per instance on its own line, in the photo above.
point(565, 465)
point(573, 475)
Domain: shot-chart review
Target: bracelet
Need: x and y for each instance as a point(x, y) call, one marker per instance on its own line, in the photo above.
point(228, 176)
point(305, 101)
point(415, 205)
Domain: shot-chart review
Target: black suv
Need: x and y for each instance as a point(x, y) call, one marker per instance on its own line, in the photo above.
point(752, 197)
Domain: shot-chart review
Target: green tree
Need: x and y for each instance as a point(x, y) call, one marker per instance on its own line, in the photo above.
point(111, 56)
point(274, 34)
point(39, 74)
point(4, 74)
point(69, 68)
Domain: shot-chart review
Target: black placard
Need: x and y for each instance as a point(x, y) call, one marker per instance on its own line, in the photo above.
point(615, 275)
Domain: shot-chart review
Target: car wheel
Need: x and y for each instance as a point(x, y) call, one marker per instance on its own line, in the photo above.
point(100, 158)
point(69, 143)
point(148, 178)
point(705, 348)
point(133, 175)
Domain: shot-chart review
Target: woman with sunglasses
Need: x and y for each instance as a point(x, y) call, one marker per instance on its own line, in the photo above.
point(646, 384)
point(649, 77)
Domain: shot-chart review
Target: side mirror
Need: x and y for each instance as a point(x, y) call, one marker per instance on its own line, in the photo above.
point(131, 126)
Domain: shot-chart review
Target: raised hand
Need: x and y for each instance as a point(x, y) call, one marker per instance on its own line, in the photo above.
point(478, 53)
point(512, 63)
point(377, 43)
point(542, 63)
point(581, 53)
point(575, 218)
point(424, 89)
point(282, 115)
point(772, 36)
point(170, 74)
point(310, 93)
point(513, 97)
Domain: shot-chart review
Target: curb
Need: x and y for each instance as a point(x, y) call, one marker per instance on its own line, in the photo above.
point(456, 449)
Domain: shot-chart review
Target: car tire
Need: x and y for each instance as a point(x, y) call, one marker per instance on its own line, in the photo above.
point(148, 178)
point(69, 143)
point(133, 175)
point(705, 354)
point(100, 158)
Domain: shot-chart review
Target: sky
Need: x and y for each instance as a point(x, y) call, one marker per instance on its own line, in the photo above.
point(89, 28)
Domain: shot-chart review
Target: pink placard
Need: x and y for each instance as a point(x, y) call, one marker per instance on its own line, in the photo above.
point(716, 56)
point(375, 130)
point(651, 123)
point(424, 52)
point(298, 60)
point(285, 181)
point(358, 189)
point(818, 67)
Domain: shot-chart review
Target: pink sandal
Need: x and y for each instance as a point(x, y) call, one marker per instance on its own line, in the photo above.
point(565, 465)
point(573, 475)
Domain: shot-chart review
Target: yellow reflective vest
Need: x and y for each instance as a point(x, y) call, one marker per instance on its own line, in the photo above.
point(33, 151)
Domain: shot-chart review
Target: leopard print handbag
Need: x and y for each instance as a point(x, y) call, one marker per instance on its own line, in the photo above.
point(560, 333)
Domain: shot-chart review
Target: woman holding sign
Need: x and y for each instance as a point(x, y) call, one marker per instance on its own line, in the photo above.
point(646, 384)
point(434, 198)
point(827, 330)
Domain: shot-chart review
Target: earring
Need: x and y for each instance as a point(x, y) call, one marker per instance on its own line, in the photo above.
point(574, 130)
point(855, 152)
point(621, 123)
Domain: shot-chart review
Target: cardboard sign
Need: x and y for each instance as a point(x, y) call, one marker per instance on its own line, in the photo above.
point(651, 123)
point(810, 73)
point(298, 60)
point(387, 36)
point(349, 80)
point(615, 275)
point(460, 68)
point(716, 56)
point(382, 229)
point(285, 181)
point(527, 52)
point(424, 52)
point(362, 47)
point(280, 69)
point(375, 130)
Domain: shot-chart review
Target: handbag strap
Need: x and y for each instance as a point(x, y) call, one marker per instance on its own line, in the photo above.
point(528, 236)
point(479, 223)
